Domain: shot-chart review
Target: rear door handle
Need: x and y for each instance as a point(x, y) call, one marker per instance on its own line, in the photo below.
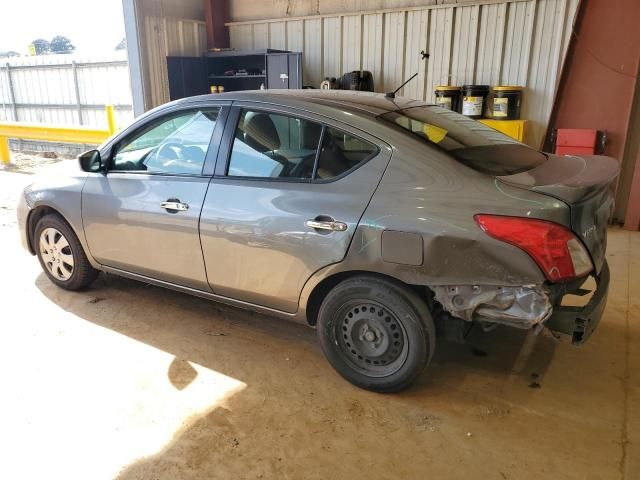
point(326, 225)
point(175, 205)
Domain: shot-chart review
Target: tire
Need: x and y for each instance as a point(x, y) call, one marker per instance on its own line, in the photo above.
point(376, 333)
point(61, 255)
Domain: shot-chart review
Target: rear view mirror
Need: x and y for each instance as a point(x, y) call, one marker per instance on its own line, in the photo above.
point(90, 161)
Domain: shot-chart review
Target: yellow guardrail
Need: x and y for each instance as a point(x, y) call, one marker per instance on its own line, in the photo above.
point(53, 133)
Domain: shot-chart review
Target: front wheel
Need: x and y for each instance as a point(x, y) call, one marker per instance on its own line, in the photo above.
point(376, 333)
point(61, 255)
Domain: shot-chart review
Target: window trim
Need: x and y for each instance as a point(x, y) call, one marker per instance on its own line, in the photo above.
point(233, 119)
point(210, 154)
point(318, 150)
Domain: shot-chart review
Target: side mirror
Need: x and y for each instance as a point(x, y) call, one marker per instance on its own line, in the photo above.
point(90, 161)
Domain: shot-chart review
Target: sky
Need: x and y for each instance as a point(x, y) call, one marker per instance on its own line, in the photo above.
point(93, 26)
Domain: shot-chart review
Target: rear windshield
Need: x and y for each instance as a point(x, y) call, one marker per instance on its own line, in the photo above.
point(472, 143)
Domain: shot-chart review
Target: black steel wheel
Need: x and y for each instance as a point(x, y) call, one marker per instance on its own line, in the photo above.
point(376, 333)
point(371, 337)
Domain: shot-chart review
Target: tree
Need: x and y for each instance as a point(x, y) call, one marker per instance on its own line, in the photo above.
point(9, 53)
point(39, 47)
point(122, 45)
point(60, 44)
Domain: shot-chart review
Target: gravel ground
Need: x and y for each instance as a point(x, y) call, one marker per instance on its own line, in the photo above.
point(31, 162)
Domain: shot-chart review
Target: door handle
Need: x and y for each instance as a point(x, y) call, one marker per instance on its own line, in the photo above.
point(326, 225)
point(175, 205)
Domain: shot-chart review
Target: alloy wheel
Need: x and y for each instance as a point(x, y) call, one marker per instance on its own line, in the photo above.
point(56, 254)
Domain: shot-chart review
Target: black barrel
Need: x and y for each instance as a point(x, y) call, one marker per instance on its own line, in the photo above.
point(448, 97)
point(506, 102)
point(474, 100)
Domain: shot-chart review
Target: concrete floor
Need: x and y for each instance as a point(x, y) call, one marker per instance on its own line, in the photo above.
point(132, 381)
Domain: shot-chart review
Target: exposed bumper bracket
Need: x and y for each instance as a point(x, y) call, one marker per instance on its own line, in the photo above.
point(580, 322)
point(520, 307)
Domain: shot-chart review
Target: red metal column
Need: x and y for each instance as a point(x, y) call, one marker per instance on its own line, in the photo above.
point(216, 14)
point(600, 73)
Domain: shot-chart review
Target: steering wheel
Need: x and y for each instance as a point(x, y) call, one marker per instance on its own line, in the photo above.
point(167, 151)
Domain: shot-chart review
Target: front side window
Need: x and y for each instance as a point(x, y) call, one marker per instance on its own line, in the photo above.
point(176, 144)
point(269, 145)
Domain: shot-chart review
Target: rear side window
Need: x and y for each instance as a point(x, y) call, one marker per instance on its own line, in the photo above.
point(268, 145)
point(340, 152)
point(274, 146)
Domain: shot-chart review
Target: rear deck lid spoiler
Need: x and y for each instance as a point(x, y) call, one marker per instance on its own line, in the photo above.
point(570, 178)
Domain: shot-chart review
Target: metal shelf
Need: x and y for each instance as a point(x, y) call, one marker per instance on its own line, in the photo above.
point(237, 76)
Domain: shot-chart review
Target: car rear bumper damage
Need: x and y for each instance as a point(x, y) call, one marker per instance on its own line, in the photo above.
point(580, 322)
point(520, 307)
point(528, 306)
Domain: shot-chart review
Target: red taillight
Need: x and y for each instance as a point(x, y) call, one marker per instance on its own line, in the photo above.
point(554, 247)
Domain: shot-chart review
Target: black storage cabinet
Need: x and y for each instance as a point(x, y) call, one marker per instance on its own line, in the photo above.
point(190, 76)
point(187, 77)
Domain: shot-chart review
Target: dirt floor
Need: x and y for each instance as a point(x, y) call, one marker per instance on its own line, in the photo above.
point(131, 381)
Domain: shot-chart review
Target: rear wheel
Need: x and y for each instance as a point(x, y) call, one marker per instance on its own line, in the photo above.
point(61, 255)
point(376, 333)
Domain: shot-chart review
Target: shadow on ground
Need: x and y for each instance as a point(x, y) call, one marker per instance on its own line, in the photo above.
point(296, 414)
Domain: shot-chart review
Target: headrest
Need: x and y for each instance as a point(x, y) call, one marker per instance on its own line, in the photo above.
point(260, 133)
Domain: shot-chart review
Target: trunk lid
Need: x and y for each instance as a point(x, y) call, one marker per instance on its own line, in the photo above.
point(583, 182)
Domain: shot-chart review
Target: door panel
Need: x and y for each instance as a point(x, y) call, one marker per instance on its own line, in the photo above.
point(126, 227)
point(142, 215)
point(256, 245)
point(295, 70)
point(278, 71)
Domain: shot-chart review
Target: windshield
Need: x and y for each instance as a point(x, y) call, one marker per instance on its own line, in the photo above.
point(472, 143)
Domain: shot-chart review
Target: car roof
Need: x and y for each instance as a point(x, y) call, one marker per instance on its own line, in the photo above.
point(357, 102)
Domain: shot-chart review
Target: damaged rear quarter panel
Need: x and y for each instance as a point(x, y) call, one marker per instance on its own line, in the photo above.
point(425, 191)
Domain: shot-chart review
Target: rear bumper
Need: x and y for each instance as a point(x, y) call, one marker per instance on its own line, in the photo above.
point(580, 322)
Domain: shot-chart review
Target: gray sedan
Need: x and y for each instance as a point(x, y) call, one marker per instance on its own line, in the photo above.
point(384, 222)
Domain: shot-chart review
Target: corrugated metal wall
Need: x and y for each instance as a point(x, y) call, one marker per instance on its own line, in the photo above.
point(167, 36)
point(65, 89)
point(516, 42)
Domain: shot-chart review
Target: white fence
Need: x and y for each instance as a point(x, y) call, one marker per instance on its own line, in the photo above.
point(65, 90)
